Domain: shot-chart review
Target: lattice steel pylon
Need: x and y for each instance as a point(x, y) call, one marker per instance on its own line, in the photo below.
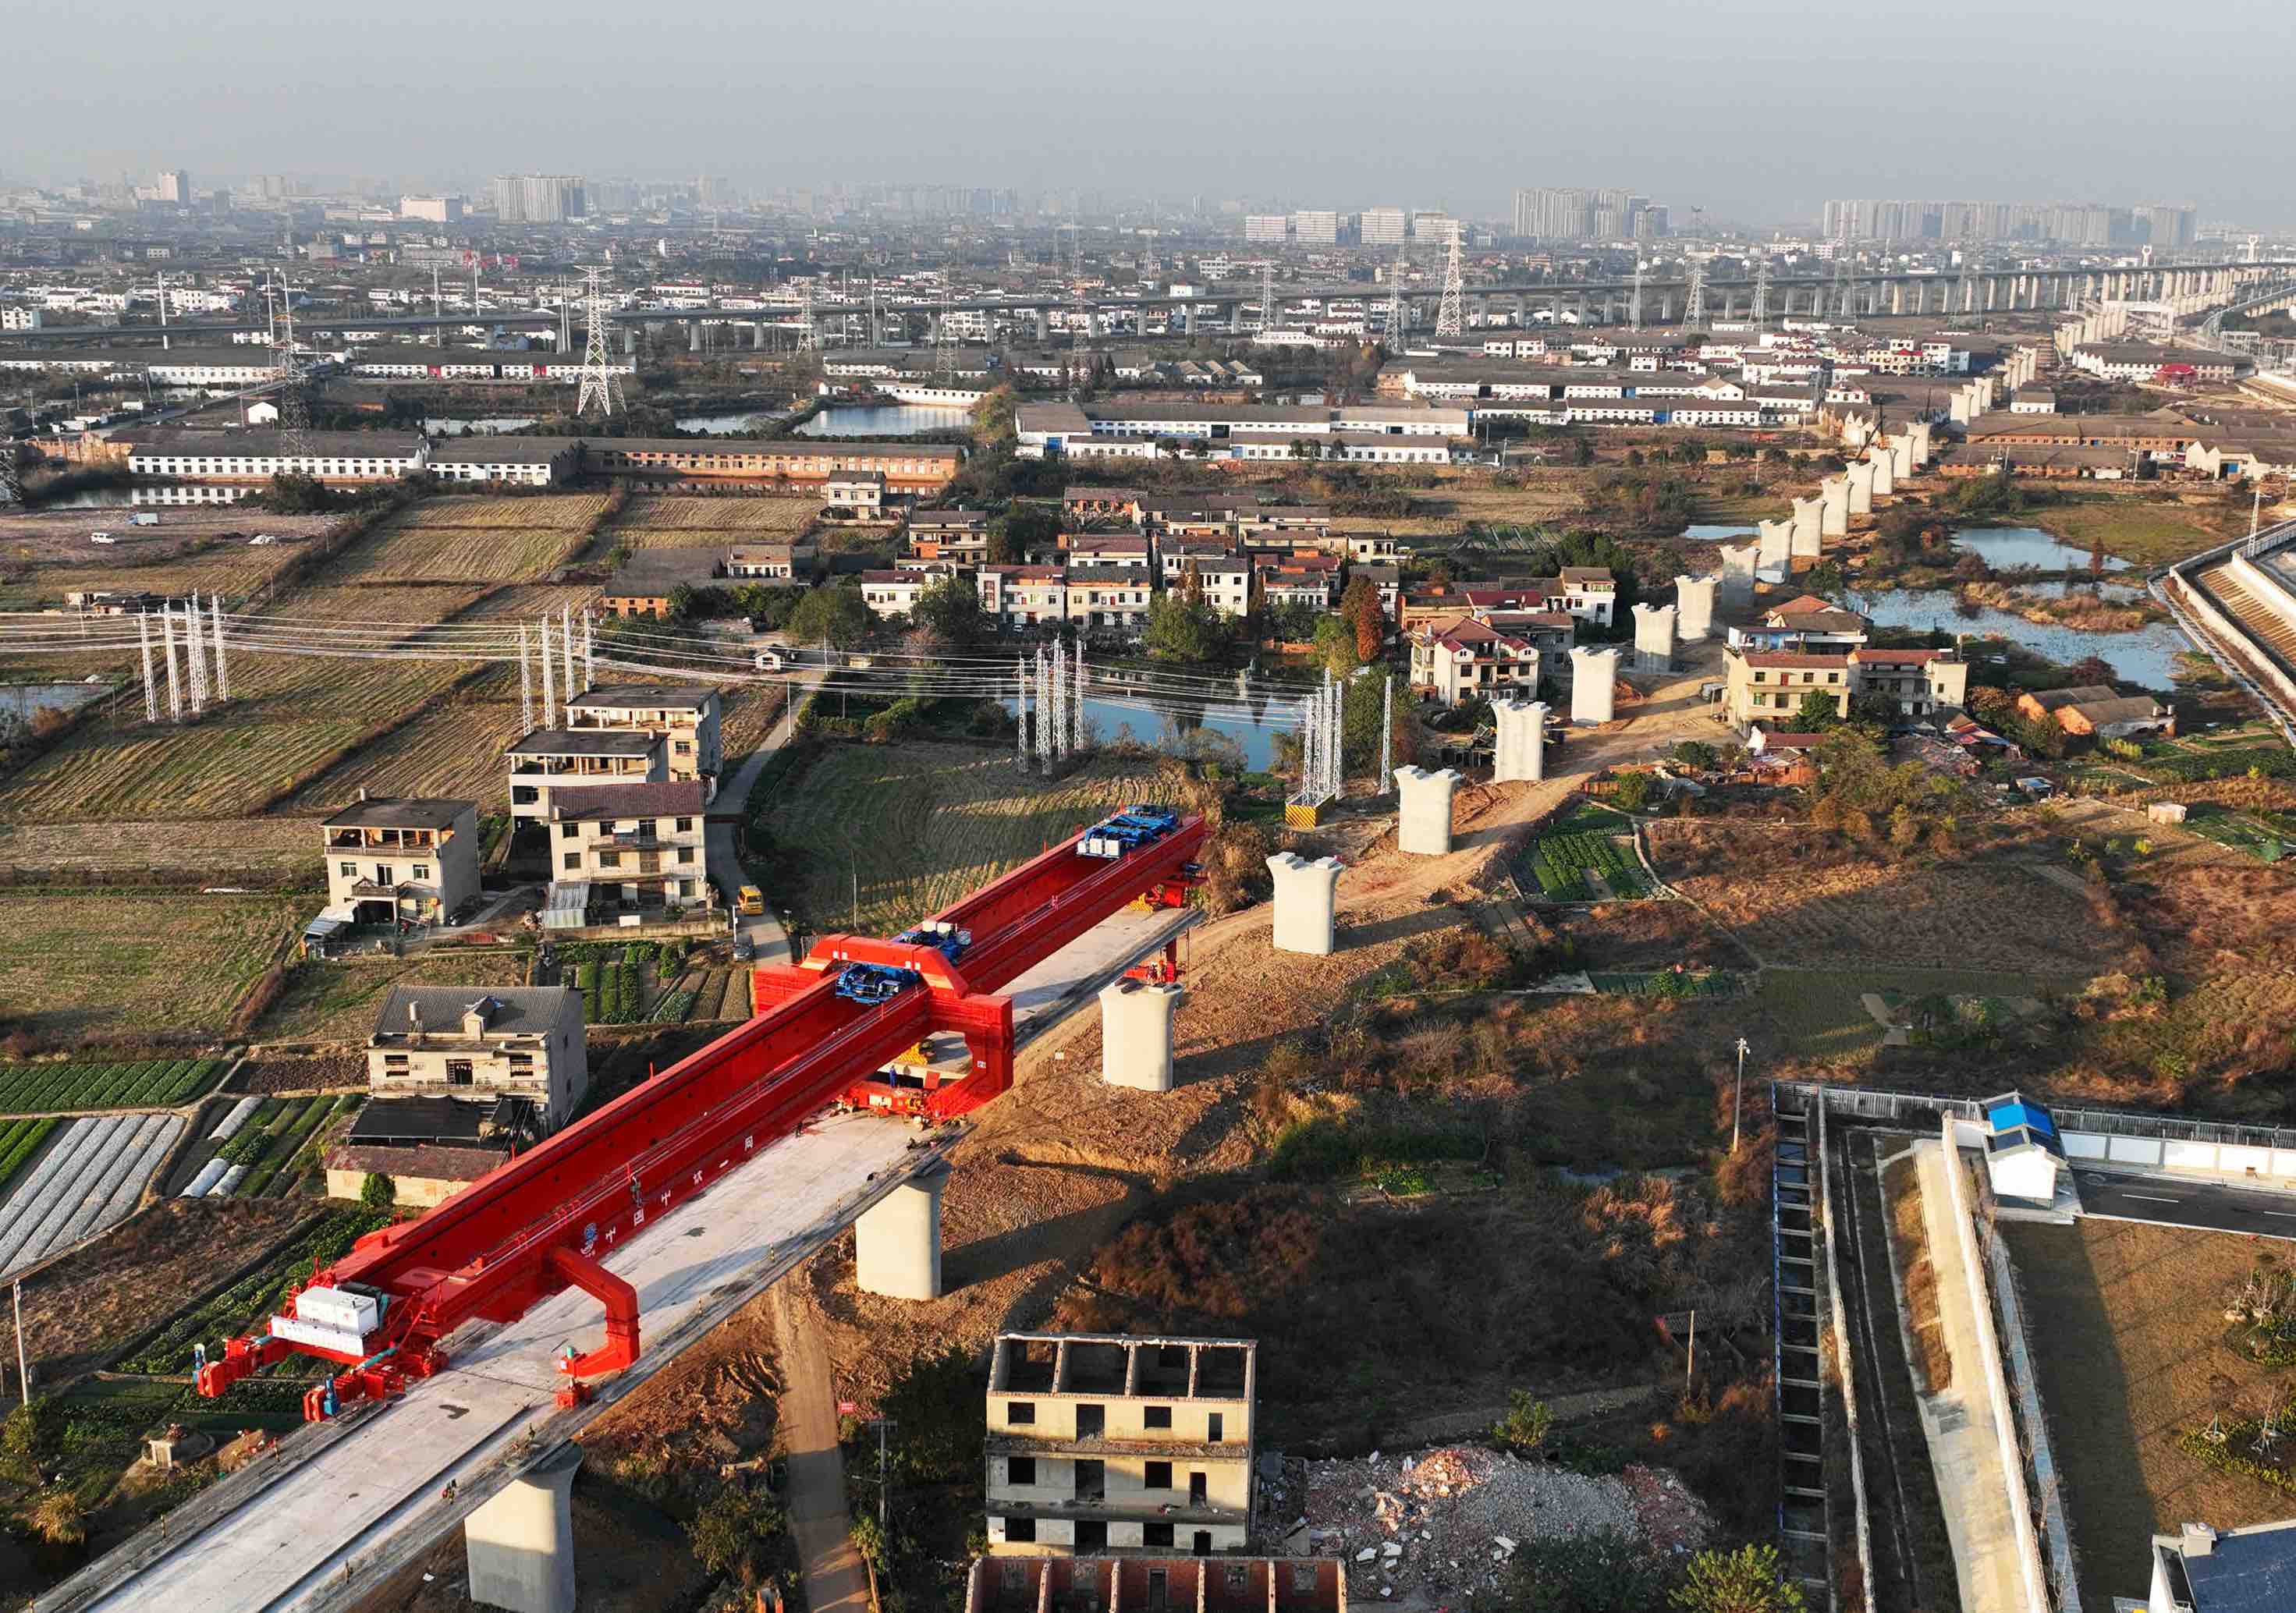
point(1762, 293)
point(151, 691)
point(1451, 318)
point(598, 384)
point(1843, 289)
point(294, 407)
point(943, 338)
point(1396, 317)
point(1634, 299)
point(808, 338)
point(1694, 303)
point(1267, 293)
point(222, 667)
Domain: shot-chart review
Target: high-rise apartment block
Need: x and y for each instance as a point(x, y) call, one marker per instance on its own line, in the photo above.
point(1380, 226)
point(433, 210)
point(1318, 227)
point(2084, 224)
point(1552, 213)
point(539, 198)
point(174, 185)
point(1273, 228)
point(1101, 1443)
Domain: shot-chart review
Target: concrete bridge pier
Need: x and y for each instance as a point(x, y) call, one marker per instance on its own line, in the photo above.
point(1693, 606)
point(1809, 527)
point(1901, 456)
point(1423, 826)
point(1136, 1034)
point(1653, 638)
point(897, 1241)
point(1188, 314)
point(1520, 755)
point(1044, 327)
point(1738, 565)
point(1882, 467)
point(1917, 444)
point(519, 1546)
point(1593, 685)
point(1861, 487)
point(694, 336)
point(1304, 900)
point(1833, 494)
point(629, 341)
point(1774, 544)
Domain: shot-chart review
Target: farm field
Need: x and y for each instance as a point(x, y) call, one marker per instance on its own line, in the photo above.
point(1581, 857)
point(454, 747)
point(436, 552)
point(2135, 1357)
point(669, 521)
point(557, 511)
point(90, 1176)
point(234, 568)
point(39, 1089)
point(59, 537)
point(920, 824)
point(337, 1002)
point(151, 962)
point(263, 1147)
point(210, 1321)
point(203, 843)
point(1793, 907)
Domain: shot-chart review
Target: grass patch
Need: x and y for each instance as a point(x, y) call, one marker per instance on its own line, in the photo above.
point(2146, 531)
point(158, 962)
point(1821, 1012)
point(1909, 1248)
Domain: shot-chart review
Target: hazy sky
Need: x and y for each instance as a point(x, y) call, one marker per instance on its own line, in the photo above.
point(1756, 110)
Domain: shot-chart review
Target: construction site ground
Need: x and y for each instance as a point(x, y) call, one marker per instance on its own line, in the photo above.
point(1056, 1165)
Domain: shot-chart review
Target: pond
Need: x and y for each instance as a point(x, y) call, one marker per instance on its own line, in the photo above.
point(1170, 723)
point(2145, 656)
point(1717, 532)
point(883, 420)
point(485, 426)
point(24, 701)
point(751, 422)
point(2004, 548)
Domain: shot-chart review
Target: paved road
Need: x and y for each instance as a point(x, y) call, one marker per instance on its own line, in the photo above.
point(2173, 1201)
point(766, 932)
point(835, 1581)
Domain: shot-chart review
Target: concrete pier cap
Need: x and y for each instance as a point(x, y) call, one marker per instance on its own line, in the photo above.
point(1424, 816)
point(1136, 1034)
point(1594, 685)
point(1305, 896)
point(1774, 543)
point(1808, 524)
point(1738, 570)
point(1883, 466)
point(1653, 638)
point(897, 1241)
point(1901, 456)
point(1693, 606)
point(519, 1546)
point(1519, 756)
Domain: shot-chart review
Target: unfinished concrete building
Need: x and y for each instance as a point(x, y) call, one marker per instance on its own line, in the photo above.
point(1099, 1443)
point(1156, 1585)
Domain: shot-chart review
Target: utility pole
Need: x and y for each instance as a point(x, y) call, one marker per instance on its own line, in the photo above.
point(525, 682)
point(1738, 1096)
point(165, 342)
point(23, 1371)
point(151, 691)
point(222, 672)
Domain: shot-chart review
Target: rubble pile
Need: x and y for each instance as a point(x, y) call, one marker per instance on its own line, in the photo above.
point(1451, 1518)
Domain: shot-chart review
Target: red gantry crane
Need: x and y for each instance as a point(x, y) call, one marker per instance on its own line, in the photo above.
point(823, 1030)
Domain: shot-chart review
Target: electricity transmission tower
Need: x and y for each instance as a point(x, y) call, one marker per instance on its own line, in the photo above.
point(1267, 293)
point(1693, 308)
point(806, 340)
point(1634, 299)
point(1395, 314)
point(1762, 293)
point(12, 474)
point(1450, 319)
point(294, 408)
point(944, 337)
point(597, 379)
point(1843, 290)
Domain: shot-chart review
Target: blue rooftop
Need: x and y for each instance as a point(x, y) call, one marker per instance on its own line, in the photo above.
point(2246, 1573)
point(2010, 1116)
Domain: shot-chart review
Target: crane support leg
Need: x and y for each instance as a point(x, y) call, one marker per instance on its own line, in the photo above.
point(621, 1302)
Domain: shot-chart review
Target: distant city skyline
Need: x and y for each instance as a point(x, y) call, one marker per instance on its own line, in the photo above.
point(1329, 107)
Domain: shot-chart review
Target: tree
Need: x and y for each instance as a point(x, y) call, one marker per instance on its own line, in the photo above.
point(729, 1533)
point(1751, 1579)
point(1360, 608)
point(1818, 710)
point(1021, 529)
point(949, 611)
point(1183, 629)
point(681, 601)
point(1633, 793)
point(1609, 1571)
point(1335, 645)
point(1524, 1428)
point(378, 1192)
point(1696, 753)
point(835, 614)
point(939, 1415)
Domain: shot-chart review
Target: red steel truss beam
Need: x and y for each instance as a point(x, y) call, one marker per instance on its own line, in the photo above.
point(539, 1222)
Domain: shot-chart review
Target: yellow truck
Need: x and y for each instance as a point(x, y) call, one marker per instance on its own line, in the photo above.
point(751, 902)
